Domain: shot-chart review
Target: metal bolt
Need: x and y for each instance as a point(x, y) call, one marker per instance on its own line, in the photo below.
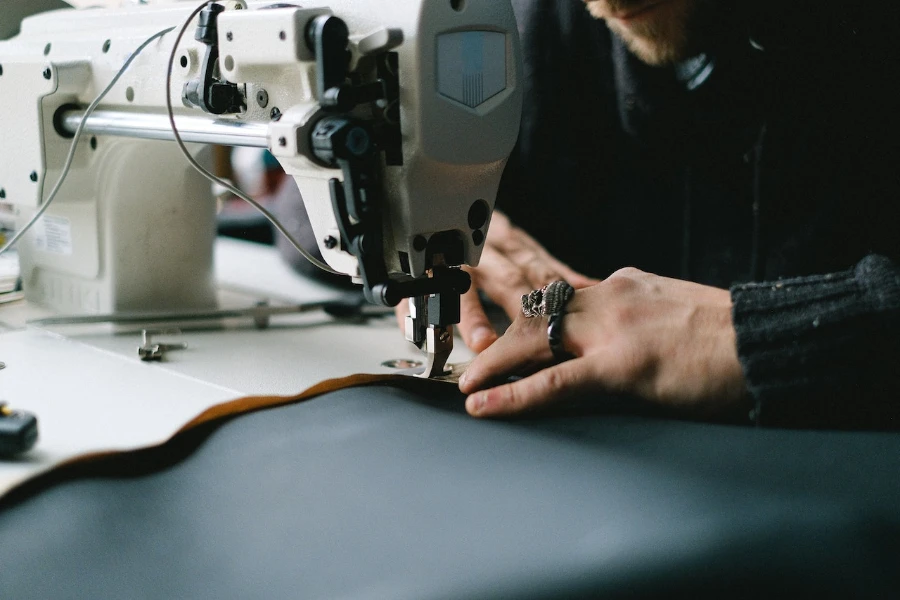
point(262, 98)
point(275, 113)
point(48, 73)
point(331, 242)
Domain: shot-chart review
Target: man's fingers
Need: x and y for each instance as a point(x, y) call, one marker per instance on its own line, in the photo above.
point(502, 281)
point(575, 279)
point(543, 269)
point(474, 326)
point(548, 385)
point(522, 348)
point(538, 267)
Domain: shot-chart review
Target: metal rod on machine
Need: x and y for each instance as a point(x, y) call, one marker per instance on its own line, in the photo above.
point(149, 126)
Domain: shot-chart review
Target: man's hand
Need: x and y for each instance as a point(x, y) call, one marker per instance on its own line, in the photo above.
point(668, 341)
point(512, 264)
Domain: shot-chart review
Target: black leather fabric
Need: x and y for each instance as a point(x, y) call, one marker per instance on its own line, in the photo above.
point(380, 492)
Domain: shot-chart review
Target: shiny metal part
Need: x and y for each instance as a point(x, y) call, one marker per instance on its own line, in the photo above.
point(150, 126)
point(150, 351)
point(416, 321)
point(436, 341)
point(438, 346)
point(402, 363)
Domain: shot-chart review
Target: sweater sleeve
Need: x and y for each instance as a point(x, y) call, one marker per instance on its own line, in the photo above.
point(823, 351)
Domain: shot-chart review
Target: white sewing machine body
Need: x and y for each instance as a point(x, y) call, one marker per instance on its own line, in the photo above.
point(133, 225)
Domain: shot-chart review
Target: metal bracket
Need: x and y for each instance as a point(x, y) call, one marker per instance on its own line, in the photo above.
point(150, 351)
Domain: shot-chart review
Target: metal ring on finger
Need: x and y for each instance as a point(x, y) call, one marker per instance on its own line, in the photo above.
point(556, 298)
point(531, 303)
point(550, 301)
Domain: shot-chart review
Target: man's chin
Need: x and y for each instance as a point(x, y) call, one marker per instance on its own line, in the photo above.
point(652, 50)
point(657, 39)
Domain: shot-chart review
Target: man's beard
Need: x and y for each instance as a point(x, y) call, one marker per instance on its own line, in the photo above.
point(666, 37)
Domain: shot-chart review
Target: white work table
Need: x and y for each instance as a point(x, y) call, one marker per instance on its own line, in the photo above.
point(91, 392)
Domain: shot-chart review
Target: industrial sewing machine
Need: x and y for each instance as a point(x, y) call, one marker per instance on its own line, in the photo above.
point(394, 117)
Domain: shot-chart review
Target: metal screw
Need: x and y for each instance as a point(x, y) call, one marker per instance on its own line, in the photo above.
point(48, 73)
point(275, 113)
point(444, 336)
point(331, 242)
point(282, 141)
point(229, 36)
point(262, 98)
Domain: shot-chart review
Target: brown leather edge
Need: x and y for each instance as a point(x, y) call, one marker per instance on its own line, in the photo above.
point(202, 424)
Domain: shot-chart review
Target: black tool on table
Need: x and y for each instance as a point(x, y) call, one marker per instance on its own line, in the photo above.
point(18, 431)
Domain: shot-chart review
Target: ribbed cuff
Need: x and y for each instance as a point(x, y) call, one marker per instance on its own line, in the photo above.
point(817, 351)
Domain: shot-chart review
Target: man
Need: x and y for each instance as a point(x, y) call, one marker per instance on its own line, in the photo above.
point(711, 141)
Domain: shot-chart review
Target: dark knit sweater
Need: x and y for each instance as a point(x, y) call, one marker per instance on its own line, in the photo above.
point(823, 350)
point(781, 169)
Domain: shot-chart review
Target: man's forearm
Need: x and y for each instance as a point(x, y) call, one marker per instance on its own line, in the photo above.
point(823, 350)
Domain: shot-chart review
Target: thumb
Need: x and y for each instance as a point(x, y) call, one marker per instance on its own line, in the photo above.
point(548, 385)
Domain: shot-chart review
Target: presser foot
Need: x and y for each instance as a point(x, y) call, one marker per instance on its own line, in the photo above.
point(438, 346)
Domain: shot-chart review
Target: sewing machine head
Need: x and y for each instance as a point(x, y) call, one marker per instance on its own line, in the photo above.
point(395, 118)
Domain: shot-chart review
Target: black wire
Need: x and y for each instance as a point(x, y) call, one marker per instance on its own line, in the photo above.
point(211, 177)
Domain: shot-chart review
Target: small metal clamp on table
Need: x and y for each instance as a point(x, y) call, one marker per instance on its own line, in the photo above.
point(150, 351)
